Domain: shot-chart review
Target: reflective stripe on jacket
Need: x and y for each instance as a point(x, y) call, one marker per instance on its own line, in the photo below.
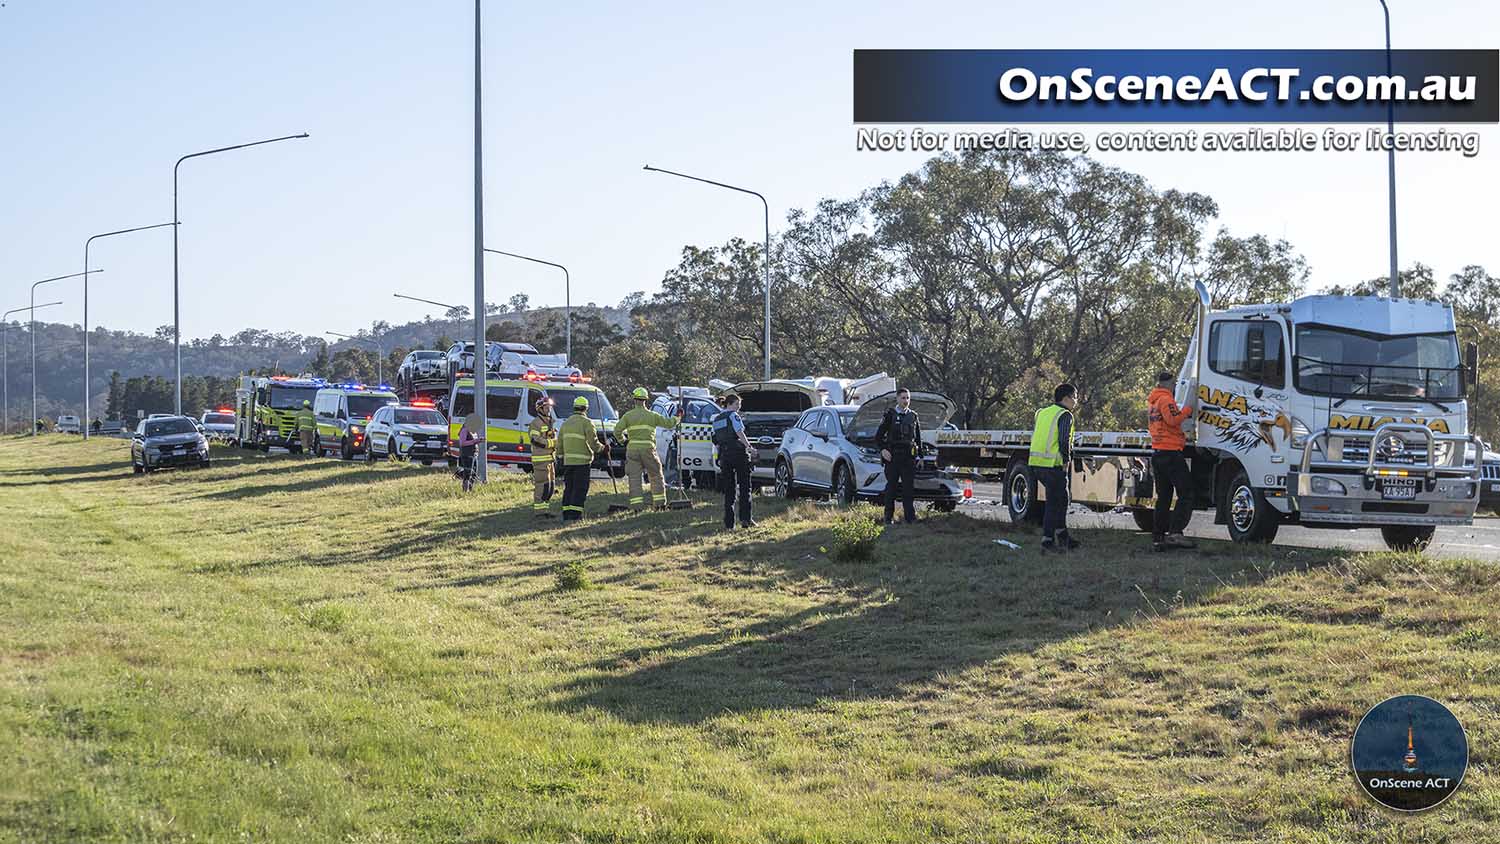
point(543, 439)
point(578, 440)
point(1046, 448)
point(639, 426)
point(305, 420)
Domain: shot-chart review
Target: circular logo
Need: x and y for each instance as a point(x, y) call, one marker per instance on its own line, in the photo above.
point(1409, 753)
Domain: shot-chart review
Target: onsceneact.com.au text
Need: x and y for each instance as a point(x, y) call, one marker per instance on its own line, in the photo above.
point(1257, 84)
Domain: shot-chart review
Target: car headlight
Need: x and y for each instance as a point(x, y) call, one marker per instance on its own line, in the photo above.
point(1327, 486)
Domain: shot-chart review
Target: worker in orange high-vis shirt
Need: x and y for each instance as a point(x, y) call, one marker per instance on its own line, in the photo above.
point(1168, 466)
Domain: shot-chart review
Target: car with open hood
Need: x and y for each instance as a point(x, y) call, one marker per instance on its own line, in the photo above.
point(831, 450)
point(769, 408)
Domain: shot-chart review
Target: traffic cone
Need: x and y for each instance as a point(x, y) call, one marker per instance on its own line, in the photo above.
point(968, 490)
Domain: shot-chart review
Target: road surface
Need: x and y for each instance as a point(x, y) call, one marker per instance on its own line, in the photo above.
point(1478, 541)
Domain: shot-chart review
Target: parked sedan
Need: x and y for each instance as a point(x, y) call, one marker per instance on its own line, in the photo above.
point(831, 450)
point(413, 432)
point(167, 441)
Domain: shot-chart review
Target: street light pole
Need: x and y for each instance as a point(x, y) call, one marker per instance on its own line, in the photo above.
point(176, 222)
point(85, 424)
point(5, 362)
point(428, 301)
point(1390, 115)
point(34, 286)
point(379, 353)
point(567, 298)
point(481, 390)
point(767, 207)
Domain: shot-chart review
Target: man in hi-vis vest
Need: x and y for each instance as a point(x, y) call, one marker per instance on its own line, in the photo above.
point(1051, 452)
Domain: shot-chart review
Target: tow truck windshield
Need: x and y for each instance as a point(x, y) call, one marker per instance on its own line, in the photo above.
point(1344, 363)
point(291, 398)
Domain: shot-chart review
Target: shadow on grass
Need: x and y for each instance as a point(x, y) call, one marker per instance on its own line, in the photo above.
point(941, 598)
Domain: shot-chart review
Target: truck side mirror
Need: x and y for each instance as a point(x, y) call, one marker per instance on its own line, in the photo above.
point(1471, 363)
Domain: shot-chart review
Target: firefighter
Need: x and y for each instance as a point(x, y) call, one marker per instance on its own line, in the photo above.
point(306, 424)
point(1169, 467)
point(640, 424)
point(898, 438)
point(735, 456)
point(579, 441)
point(1051, 454)
point(543, 463)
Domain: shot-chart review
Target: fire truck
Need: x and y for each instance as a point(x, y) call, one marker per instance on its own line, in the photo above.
point(1329, 412)
point(266, 407)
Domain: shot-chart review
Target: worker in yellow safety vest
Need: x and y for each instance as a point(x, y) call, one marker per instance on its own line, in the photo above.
point(1051, 453)
point(306, 424)
point(640, 424)
point(578, 440)
point(543, 463)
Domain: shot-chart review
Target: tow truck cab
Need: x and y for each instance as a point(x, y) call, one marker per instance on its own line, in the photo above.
point(1333, 411)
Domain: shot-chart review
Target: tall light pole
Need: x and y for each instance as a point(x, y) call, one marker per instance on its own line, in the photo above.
point(5, 361)
point(1390, 116)
point(34, 286)
point(428, 301)
point(567, 297)
point(767, 207)
point(481, 390)
point(86, 244)
point(176, 222)
point(379, 353)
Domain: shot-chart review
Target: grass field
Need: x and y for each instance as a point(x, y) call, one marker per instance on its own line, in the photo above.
point(286, 649)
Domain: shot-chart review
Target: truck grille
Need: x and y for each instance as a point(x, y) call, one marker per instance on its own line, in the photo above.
point(1490, 471)
point(1357, 450)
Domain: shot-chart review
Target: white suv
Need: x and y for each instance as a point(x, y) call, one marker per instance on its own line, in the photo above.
point(68, 424)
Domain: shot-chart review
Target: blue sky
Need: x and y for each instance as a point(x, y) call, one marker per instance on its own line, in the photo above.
point(101, 98)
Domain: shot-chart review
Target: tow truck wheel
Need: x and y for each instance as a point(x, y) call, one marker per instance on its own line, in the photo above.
point(1020, 495)
point(1144, 520)
point(844, 490)
point(1251, 518)
point(1407, 537)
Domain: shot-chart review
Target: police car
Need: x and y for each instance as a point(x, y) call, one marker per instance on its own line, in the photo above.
point(687, 451)
point(341, 413)
point(416, 432)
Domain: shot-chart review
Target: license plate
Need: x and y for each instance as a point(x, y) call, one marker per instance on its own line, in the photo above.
point(1495, 487)
point(1405, 488)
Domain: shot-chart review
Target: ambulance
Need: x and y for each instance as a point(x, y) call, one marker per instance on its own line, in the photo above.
point(510, 407)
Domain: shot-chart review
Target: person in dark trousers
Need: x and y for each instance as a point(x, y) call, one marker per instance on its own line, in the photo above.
point(735, 456)
point(578, 442)
point(1050, 456)
point(898, 438)
point(1169, 466)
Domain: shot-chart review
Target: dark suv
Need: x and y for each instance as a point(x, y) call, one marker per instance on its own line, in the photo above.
point(167, 441)
point(1489, 485)
point(422, 371)
point(460, 358)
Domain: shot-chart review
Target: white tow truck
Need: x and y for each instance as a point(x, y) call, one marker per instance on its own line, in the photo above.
point(1329, 412)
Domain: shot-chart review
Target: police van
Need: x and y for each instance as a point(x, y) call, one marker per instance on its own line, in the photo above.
point(341, 413)
point(510, 408)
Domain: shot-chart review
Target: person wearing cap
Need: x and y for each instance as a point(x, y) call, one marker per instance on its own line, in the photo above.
point(639, 425)
point(1169, 467)
point(306, 424)
point(578, 440)
point(543, 462)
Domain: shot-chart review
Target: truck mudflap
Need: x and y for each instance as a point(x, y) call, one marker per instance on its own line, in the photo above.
point(1386, 492)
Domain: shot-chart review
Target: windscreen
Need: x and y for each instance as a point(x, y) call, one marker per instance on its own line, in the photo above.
point(423, 417)
point(219, 419)
point(427, 355)
point(1341, 362)
point(846, 417)
point(701, 411)
point(774, 401)
point(504, 403)
point(361, 407)
point(599, 407)
point(165, 427)
point(291, 398)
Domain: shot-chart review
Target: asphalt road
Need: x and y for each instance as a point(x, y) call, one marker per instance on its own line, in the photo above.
point(1480, 540)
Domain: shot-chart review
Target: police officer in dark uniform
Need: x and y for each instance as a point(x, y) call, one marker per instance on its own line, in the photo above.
point(735, 454)
point(898, 437)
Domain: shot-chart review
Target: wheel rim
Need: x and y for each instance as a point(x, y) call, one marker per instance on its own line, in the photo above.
point(1020, 493)
point(844, 485)
point(1242, 508)
point(783, 481)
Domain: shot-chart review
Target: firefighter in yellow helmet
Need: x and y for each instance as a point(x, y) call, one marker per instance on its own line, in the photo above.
point(639, 425)
point(578, 441)
point(306, 424)
point(543, 463)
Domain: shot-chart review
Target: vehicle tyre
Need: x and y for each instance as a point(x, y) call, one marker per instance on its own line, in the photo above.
point(525, 467)
point(1145, 520)
point(426, 461)
point(844, 489)
point(391, 453)
point(786, 488)
point(1020, 495)
point(137, 468)
point(1407, 537)
point(1250, 517)
point(346, 449)
point(265, 446)
point(204, 464)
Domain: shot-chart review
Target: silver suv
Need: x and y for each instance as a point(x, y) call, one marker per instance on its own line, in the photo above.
point(164, 441)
